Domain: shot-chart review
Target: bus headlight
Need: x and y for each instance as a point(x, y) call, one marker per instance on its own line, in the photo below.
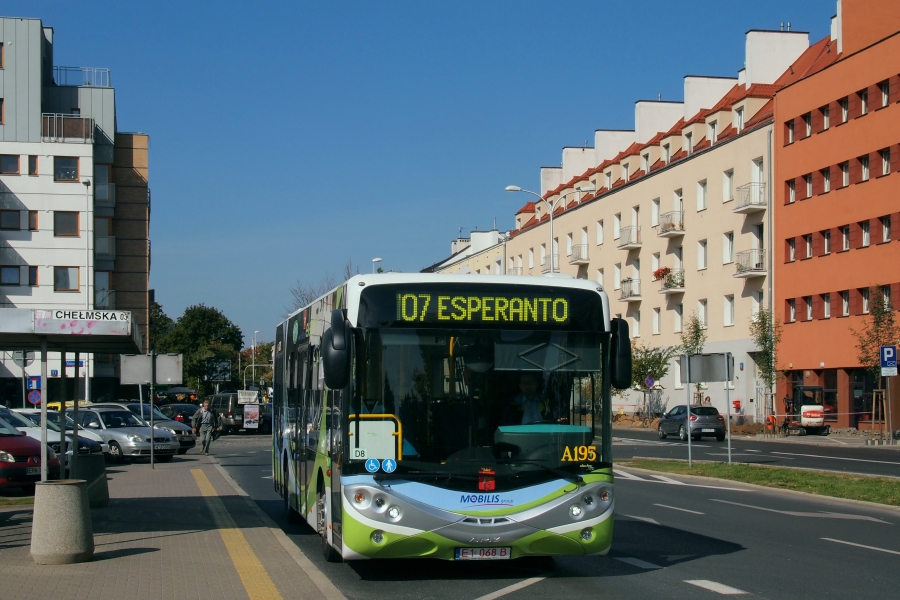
point(576, 511)
point(377, 537)
point(587, 534)
point(394, 513)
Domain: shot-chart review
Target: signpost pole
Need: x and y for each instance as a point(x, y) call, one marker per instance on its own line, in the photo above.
point(687, 418)
point(24, 379)
point(75, 414)
point(152, 430)
point(728, 377)
point(888, 370)
point(64, 381)
point(44, 399)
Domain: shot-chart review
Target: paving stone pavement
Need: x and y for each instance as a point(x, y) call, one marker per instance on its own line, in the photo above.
point(157, 539)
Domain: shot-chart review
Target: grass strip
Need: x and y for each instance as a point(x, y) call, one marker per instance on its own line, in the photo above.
point(838, 485)
point(21, 501)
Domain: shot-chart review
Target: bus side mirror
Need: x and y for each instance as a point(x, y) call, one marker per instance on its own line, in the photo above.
point(620, 355)
point(336, 352)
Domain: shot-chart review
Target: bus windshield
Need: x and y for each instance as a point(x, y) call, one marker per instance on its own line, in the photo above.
point(453, 404)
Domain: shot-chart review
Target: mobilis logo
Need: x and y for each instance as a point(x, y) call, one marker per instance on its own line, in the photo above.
point(485, 500)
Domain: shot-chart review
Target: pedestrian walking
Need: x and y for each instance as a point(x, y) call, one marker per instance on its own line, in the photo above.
point(207, 422)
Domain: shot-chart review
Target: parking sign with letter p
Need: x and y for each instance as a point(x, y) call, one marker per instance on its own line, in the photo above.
point(888, 361)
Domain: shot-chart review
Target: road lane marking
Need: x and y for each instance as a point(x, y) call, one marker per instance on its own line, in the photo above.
point(721, 588)
point(253, 574)
point(681, 509)
point(636, 562)
point(511, 588)
point(862, 546)
point(644, 519)
point(626, 475)
point(883, 462)
point(665, 479)
point(814, 515)
point(748, 450)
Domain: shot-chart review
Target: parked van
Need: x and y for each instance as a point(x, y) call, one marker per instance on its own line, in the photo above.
point(230, 412)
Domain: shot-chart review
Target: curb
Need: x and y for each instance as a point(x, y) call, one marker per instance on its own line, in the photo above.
point(318, 578)
point(754, 486)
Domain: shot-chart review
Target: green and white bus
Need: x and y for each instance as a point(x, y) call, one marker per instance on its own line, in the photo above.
point(456, 417)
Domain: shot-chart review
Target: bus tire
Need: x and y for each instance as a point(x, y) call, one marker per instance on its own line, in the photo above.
point(292, 516)
point(328, 551)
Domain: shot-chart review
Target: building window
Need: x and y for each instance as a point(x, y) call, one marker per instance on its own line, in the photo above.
point(807, 241)
point(32, 165)
point(32, 220)
point(728, 185)
point(617, 276)
point(713, 132)
point(864, 229)
point(864, 293)
point(826, 306)
point(845, 303)
point(845, 109)
point(826, 179)
point(826, 117)
point(65, 168)
point(609, 180)
point(625, 175)
point(9, 164)
point(845, 237)
point(885, 161)
point(826, 241)
point(885, 88)
point(757, 301)
point(599, 232)
point(656, 321)
point(807, 124)
point(702, 313)
point(679, 313)
point(886, 228)
point(688, 144)
point(701, 195)
point(863, 102)
point(701, 255)
point(864, 168)
point(66, 224)
point(65, 279)
point(792, 310)
point(886, 293)
point(792, 191)
point(531, 258)
point(646, 160)
point(790, 131)
point(792, 250)
point(600, 277)
point(666, 153)
point(809, 307)
point(568, 244)
point(808, 180)
point(728, 248)
point(654, 212)
point(740, 119)
point(845, 174)
point(32, 276)
point(636, 320)
point(729, 310)
point(9, 275)
point(9, 219)
point(617, 226)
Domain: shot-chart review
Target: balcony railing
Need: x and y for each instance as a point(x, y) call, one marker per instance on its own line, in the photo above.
point(66, 128)
point(750, 198)
point(750, 263)
point(673, 283)
point(545, 263)
point(105, 247)
point(81, 76)
point(104, 298)
point(671, 224)
point(105, 195)
point(514, 271)
point(579, 255)
point(631, 290)
point(630, 237)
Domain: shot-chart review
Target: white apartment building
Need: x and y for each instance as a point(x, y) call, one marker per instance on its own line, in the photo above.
point(74, 201)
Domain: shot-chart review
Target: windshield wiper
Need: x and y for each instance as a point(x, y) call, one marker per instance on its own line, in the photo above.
point(558, 472)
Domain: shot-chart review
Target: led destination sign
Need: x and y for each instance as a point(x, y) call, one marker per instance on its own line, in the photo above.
point(482, 308)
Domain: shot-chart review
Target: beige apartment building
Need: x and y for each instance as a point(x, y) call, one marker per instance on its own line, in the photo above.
point(674, 217)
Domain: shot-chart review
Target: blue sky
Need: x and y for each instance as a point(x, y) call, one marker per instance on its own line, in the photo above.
point(290, 137)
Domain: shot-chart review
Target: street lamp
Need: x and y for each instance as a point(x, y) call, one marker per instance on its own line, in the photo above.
point(87, 290)
point(253, 355)
point(375, 260)
point(588, 188)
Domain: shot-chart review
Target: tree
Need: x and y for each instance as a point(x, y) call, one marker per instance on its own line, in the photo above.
point(693, 337)
point(160, 324)
point(304, 293)
point(263, 360)
point(879, 329)
point(647, 361)
point(765, 329)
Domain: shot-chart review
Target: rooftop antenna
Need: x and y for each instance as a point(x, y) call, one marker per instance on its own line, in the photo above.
point(659, 97)
point(789, 25)
point(782, 25)
point(495, 223)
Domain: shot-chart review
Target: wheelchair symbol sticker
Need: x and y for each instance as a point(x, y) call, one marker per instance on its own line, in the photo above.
point(389, 465)
point(372, 465)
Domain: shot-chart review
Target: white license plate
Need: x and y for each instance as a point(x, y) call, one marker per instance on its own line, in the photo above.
point(483, 553)
point(32, 470)
point(707, 431)
point(161, 447)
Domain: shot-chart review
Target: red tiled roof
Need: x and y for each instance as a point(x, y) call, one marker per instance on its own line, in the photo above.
point(528, 208)
point(763, 114)
point(815, 58)
point(701, 145)
point(654, 141)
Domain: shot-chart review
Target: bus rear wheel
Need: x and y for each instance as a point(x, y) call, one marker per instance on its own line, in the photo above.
point(292, 515)
point(328, 551)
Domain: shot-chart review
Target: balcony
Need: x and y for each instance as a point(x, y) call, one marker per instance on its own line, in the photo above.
point(579, 255)
point(545, 263)
point(672, 282)
point(629, 238)
point(750, 198)
point(750, 263)
point(514, 271)
point(631, 290)
point(66, 128)
point(105, 195)
point(105, 247)
point(104, 298)
point(671, 224)
point(81, 76)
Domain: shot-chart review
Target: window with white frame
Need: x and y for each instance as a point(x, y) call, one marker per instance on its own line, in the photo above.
point(584, 236)
point(625, 175)
point(885, 228)
point(792, 191)
point(845, 109)
point(666, 153)
point(886, 294)
point(646, 162)
point(617, 276)
point(826, 241)
point(519, 262)
point(885, 161)
point(845, 303)
point(866, 238)
point(790, 132)
point(792, 249)
point(757, 298)
point(609, 180)
point(688, 143)
point(678, 313)
point(864, 167)
point(807, 241)
point(845, 237)
point(599, 232)
point(702, 313)
point(656, 323)
point(826, 306)
point(728, 248)
point(885, 88)
point(728, 309)
point(543, 254)
point(845, 173)
point(826, 179)
point(679, 385)
point(617, 226)
point(654, 212)
point(701, 255)
point(808, 179)
point(809, 307)
point(792, 310)
point(728, 185)
point(863, 102)
point(701, 195)
point(636, 323)
point(713, 132)
point(807, 124)
point(600, 277)
point(654, 262)
point(740, 119)
point(864, 294)
point(826, 117)
point(531, 258)
point(568, 244)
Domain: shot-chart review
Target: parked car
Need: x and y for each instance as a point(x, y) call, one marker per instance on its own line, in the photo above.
point(128, 435)
point(230, 412)
point(704, 421)
point(54, 418)
point(265, 418)
point(180, 431)
point(20, 459)
point(26, 426)
point(180, 412)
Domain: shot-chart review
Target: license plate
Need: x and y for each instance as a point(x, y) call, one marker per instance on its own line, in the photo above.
point(32, 470)
point(161, 447)
point(483, 553)
point(707, 430)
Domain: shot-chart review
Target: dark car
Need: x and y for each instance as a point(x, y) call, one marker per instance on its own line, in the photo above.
point(180, 412)
point(20, 459)
point(704, 421)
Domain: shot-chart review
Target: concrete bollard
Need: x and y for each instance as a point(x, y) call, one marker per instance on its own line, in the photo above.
point(92, 468)
point(61, 530)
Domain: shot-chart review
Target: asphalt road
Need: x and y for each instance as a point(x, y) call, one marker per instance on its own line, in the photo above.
point(870, 460)
point(673, 538)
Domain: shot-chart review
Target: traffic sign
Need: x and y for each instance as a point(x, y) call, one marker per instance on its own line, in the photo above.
point(372, 465)
point(889, 361)
point(34, 396)
point(34, 382)
point(389, 465)
point(649, 382)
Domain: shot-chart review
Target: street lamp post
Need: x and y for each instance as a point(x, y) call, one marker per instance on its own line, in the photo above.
point(253, 355)
point(375, 260)
point(588, 188)
point(87, 290)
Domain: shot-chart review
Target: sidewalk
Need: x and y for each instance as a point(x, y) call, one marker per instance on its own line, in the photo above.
point(183, 530)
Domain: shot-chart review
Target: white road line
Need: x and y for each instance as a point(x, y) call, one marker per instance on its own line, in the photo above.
point(712, 586)
point(681, 509)
point(883, 462)
point(752, 450)
point(862, 546)
point(814, 515)
point(668, 480)
point(644, 519)
point(626, 475)
point(636, 562)
point(511, 588)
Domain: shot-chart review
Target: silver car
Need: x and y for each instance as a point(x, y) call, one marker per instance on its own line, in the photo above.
point(182, 433)
point(127, 434)
point(53, 418)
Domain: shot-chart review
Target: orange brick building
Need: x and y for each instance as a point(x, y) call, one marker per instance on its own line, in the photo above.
point(837, 206)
